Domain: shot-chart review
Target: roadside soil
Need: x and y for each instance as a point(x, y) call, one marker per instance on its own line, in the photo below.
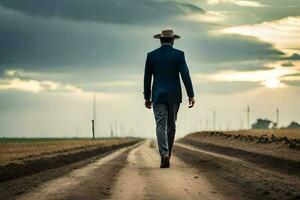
point(133, 173)
point(41, 163)
point(88, 179)
point(274, 156)
point(257, 171)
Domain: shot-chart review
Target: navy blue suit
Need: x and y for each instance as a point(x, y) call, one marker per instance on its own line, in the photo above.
point(165, 64)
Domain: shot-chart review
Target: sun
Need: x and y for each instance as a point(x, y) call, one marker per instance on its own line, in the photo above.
point(272, 83)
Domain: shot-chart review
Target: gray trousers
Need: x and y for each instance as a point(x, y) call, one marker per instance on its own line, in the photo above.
point(165, 118)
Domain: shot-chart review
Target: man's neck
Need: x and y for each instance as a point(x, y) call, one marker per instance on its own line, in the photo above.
point(166, 44)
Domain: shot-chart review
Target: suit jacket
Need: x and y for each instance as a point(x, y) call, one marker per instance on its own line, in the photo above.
point(165, 64)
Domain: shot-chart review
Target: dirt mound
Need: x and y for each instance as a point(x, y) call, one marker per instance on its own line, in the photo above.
point(272, 156)
point(28, 167)
point(262, 139)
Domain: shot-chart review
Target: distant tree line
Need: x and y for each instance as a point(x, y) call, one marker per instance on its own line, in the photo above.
point(294, 125)
point(267, 124)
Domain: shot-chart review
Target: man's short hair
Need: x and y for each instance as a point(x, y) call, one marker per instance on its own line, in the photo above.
point(167, 40)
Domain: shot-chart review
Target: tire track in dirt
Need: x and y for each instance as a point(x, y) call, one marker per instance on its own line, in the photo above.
point(238, 177)
point(134, 173)
point(142, 178)
point(81, 183)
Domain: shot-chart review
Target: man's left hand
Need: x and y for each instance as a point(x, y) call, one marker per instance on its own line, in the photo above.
point(191, 102)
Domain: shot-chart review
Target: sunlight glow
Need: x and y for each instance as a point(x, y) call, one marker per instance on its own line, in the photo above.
point(251, 76)
point(272, 83)
point(269, 78)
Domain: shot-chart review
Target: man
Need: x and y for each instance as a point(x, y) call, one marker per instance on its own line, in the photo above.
point(165, 64)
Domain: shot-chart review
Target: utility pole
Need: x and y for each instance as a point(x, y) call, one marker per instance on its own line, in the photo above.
point(277, 118)
point(248, 117)
point(121, 129)
point(214, 120)
point(111, 131)
point(206, 124)
point(200, 125)
point(228, 127)
point(242, 124)
point(116, 128)
point(94, 115)
point(93, 128)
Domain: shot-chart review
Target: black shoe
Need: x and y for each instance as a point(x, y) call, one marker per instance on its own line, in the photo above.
point(165, 162)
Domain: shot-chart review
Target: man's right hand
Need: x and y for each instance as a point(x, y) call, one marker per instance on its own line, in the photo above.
point(148, 104)
point(191, 102)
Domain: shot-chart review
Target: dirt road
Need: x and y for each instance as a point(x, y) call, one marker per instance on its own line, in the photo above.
point(134, 173)
point(142, 179)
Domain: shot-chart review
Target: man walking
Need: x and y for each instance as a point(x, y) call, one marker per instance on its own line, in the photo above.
point(165, 64)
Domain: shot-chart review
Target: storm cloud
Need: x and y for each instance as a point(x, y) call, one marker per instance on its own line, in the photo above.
point(40, 44)
point(54, 54)
point(112, 11)
point(232, 48)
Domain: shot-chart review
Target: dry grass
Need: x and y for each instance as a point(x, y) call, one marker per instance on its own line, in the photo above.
point(289, 133)
point(22, 149)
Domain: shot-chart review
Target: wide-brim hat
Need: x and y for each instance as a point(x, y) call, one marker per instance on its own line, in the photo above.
point(166, 34)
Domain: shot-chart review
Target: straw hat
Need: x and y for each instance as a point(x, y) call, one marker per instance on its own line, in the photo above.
point(166, 34)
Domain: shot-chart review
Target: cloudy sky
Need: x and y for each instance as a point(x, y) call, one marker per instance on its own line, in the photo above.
point(54, 54)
